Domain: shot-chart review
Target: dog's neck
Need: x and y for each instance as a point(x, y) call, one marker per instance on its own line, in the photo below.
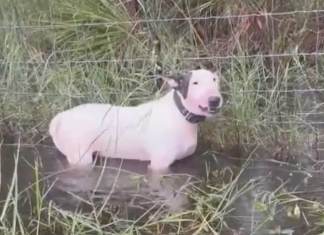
point(189, 116)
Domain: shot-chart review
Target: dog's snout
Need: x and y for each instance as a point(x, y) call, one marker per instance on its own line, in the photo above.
point(214, 101)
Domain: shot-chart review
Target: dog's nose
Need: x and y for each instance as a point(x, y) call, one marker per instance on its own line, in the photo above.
point(214, 102)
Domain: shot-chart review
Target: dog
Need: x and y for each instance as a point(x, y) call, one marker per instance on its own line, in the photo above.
point(160, 131)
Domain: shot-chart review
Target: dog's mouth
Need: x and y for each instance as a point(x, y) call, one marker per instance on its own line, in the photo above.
point(208, 110)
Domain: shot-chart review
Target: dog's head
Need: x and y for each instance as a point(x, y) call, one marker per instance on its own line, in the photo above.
point(199, 90)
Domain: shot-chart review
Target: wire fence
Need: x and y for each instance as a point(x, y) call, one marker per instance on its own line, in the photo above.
point(84, 94)
point(165, 20)
point(205, 58)
point(318, 14)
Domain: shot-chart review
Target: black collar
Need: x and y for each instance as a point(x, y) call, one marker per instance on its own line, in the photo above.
point(190, 117)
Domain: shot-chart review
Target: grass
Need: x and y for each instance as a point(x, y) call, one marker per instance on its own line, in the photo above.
point(46, 69)
point(214, 203)
point(47, 218)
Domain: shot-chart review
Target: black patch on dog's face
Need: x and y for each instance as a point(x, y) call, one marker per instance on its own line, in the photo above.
point(183, 82)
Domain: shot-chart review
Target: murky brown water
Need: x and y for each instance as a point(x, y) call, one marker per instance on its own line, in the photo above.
point(125, 184)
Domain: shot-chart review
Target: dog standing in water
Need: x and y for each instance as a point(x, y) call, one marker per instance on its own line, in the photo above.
point(160, 131)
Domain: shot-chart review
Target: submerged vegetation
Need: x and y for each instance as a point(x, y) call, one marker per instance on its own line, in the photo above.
point(56, 54)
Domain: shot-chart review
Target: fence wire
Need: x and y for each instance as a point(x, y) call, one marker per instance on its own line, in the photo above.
point(318, 13)
point(164, 20)
point(130, 60)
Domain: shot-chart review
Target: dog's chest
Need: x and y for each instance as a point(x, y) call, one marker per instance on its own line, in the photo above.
point(185, 145)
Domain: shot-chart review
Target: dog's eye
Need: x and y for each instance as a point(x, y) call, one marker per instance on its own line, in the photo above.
point(195, 83)
point(214, 79)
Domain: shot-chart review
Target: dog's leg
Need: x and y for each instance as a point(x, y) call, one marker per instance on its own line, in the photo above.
point(155, 179)
point(80, 158)
point(158, 168)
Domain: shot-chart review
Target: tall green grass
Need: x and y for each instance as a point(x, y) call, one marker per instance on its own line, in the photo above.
point(38, 68)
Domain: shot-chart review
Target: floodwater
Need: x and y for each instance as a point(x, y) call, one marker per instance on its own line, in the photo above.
point(126, 183)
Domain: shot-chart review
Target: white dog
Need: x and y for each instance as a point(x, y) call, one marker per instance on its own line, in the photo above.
point(160, 131)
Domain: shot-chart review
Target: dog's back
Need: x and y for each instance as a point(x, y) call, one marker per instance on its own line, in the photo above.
point(112, 130)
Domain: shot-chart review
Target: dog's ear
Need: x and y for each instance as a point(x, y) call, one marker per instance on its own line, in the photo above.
point(218, 75)
point(166, 83)
point(183, 82)
point(179, 82)
point(172, 82)
point(217, 71)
